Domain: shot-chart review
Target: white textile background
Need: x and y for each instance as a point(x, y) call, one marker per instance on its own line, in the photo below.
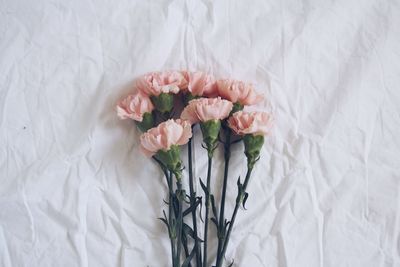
point(75, 190)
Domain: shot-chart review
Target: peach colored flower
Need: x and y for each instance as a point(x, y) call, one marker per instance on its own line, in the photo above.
point(256, 123)
point(166, 134)
point(134, 106)
point(155, 83)
point(205, 109)
point(202, 84)
point(238, 91)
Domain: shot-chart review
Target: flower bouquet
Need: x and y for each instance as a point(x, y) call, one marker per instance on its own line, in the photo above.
point(167, 107)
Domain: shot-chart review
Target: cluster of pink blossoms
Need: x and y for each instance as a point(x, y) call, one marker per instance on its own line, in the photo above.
point(165, 106)
point(211, 99)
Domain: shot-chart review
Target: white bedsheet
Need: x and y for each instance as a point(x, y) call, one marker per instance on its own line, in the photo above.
point(76, 191)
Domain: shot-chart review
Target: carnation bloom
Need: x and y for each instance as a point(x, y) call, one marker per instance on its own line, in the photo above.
point(206, 109)
point(155, 83)
point(254, 123)
point(238, 92)
point(134, 106)
point(201, 84)
point(165, 135)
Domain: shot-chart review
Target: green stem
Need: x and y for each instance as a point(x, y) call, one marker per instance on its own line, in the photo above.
point(207, 209)
point(179, 238)
point(239, 200)
point(171, 217)
point(186, 248)
point(168, 178)
point(192, 202)
point(221, 228)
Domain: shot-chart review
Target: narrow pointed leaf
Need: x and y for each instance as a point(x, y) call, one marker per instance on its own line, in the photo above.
point(238, 182)
point(189, 258)
point(175, 205)
point(201, 208)
point(189, 231)
point(246, 195)
point(164, 221)
point(204, 187)
point(214, 208)
point(192, 207)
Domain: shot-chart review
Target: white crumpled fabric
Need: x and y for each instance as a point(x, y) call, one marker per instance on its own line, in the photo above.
point(76, 191)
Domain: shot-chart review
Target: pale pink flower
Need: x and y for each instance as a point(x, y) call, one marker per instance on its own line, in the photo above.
point(256, 123)
point(166, 134)
point(238, 92)
point(155, 83)
point(205, 109)
point(134, 106)
point(201, 84)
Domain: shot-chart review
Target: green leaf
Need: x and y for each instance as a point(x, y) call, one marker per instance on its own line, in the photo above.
point(246, 195)
point(188, 259)
point(192, 207)
point(189, 231)
point(164, 221)
point(204, 187)
point(226, 223)
point(175, 205)
point(201, 208)
point(238, 181)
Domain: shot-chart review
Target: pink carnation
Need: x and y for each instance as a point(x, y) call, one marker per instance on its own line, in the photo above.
point(156, 83)
point(166, 134)
point(205, 109)
point(256, 123)
point(134, 106)
point(202, 84)
point(238, 91)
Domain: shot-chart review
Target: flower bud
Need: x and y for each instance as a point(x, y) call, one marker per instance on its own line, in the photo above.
point(187, 97)
point(252, 148)
point(172, 160)
point(210, 130)
point(164, 102)
point(147, 122)
point(237, 107)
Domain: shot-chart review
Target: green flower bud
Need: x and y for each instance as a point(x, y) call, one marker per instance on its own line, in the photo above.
point(172, 160)
point(147, 122)
point(252, 148)
point(236, 107)
point(210, 130)
point(187, 97)
point(163, 102)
